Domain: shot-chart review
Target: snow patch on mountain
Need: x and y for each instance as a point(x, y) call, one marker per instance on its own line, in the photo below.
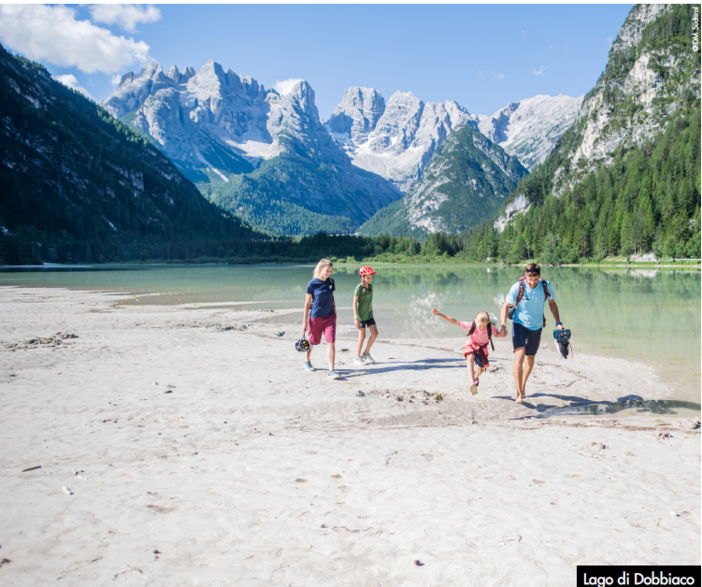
point(529, 129)
point(395, 139)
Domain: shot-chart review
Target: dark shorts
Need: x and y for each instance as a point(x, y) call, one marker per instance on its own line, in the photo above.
point(366, 323)
point(522, 337)
point(319, 326)
point(478, 362)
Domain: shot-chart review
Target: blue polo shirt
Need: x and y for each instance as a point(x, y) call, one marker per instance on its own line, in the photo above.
point(322, 297)
point(530, 311)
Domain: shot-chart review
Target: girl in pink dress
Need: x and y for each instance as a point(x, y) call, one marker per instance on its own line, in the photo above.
point(475, 350)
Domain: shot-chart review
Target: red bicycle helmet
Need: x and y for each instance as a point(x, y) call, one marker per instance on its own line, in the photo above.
point(365, 270)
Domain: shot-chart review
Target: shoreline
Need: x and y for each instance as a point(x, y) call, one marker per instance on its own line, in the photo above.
point(437, 262)
point(179, 446)
point(686, 392)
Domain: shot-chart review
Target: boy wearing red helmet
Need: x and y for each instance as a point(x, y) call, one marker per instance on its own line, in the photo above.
point(363, 315)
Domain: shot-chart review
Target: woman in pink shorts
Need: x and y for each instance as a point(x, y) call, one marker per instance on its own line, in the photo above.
point(322, 317)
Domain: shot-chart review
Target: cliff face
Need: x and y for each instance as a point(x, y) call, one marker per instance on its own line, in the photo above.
point(651, 74)
point(646, 80)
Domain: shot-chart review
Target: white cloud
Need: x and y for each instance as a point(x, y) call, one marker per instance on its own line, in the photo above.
point(116, 79)
point(52, 34)
point(70, 81)
point(541, 70)
point(285, 86)
point(480, 73)
point(610, 40)
point(523, 34)
point(127, 16)
point(500, 76)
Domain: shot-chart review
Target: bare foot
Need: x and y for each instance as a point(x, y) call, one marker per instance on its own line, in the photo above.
point(519, 400)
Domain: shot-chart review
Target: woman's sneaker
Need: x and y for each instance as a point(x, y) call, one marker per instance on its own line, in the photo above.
point(359, 361)
point(309, 367)
point(333, 374)
point(367, 359)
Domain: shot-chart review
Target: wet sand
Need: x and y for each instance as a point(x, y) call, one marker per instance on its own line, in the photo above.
point(189, 447)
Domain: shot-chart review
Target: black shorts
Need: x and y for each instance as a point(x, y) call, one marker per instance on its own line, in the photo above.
point(365, 323)
point(522, 337)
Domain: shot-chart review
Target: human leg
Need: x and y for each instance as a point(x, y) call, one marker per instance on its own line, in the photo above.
point(373, 335)
point(330, 337)
point(359, 343)
point(527, 371)
point(314, 330)
point(533, 340)
point(519, 372)
point(331, 354)
point(470, 365)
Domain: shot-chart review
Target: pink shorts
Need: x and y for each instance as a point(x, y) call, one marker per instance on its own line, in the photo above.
point(317, 326)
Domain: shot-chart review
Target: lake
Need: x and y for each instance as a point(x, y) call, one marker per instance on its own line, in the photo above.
point(645, 315)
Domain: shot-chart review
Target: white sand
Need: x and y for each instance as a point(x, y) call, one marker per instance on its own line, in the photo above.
point(254, 472)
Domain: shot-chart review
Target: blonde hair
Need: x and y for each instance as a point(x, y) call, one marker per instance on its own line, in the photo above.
point(482, 318)
point(321, 265)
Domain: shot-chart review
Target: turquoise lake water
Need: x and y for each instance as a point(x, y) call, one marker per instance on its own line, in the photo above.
point(645, 315)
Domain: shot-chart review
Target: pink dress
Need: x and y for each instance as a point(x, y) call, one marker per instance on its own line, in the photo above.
point(478, 342)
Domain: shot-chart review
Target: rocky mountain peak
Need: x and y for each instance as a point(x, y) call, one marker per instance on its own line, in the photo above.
point(653, 77)
point(180, 77)
point(133, 89)
point(174, 73)
point(529, 129)
point(632, 29)
point(302, 95)
point(357, 115)
point(396, 138)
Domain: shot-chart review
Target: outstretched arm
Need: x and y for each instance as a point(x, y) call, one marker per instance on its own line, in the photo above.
point(447, 318)
point(554, 311)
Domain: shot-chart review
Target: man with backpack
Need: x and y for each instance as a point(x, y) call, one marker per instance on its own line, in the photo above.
point(525, 306)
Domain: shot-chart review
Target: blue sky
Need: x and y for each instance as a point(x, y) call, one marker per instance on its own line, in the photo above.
point(482, 56)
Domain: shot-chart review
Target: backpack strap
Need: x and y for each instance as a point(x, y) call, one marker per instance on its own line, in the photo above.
point(472, 329)
point(521, 290)
point(548, 295)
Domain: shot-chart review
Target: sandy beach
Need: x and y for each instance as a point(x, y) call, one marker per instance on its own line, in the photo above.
point(173, 445)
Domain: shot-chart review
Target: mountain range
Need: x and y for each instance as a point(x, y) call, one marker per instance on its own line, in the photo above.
point(611, 172)
point(269, 159)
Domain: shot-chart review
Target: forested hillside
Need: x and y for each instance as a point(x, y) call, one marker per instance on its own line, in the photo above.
point(625, 178)
point(79, 186)
point(465, 183)
point(648, 199)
